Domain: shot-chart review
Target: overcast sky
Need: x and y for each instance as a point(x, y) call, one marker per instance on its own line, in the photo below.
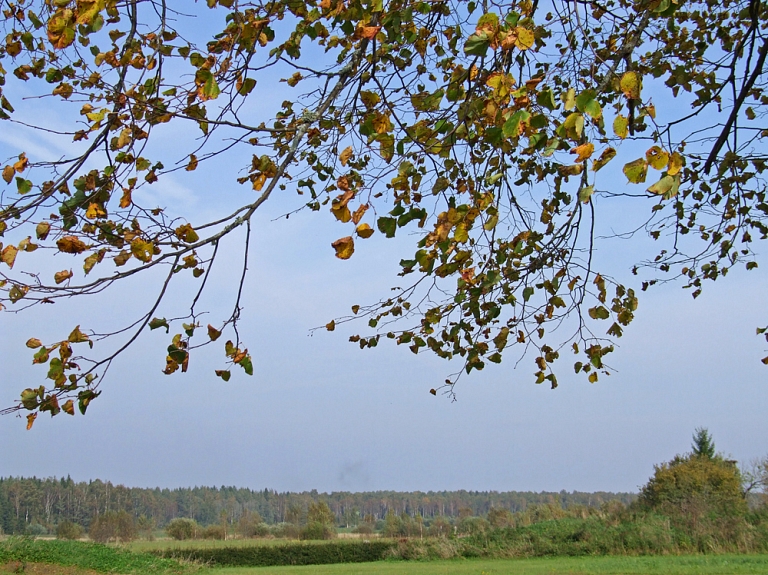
point(321, 414)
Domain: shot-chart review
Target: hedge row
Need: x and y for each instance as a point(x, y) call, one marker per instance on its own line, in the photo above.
point(291, 554)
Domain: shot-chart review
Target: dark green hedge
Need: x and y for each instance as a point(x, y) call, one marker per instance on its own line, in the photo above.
point(291, 554)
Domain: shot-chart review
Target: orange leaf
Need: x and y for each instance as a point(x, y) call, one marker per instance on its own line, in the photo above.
point(62, 276)
point(71, 245)
point(584, 151)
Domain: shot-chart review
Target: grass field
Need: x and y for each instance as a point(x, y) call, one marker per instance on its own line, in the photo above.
point(669, 565)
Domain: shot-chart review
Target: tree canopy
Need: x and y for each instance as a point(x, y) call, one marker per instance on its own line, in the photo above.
point(494, 133)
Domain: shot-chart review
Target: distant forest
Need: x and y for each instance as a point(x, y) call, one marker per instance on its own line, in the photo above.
point(47, 502)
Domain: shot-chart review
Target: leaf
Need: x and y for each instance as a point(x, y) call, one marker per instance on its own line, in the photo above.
point(246, 363)
point(34, 343)
point(621, 126)
point(71, 245)
point(667, 186)
point(159, 322)
point(192, 165)
point(344, 247)
point(23, 186)
point(213, 333)
point(224, 374)
point(657, 158)
point(331, 325)
point(42, 230)
point(477, 44)
point(61, 28)
point(142, 250)
point(211, 89)
point(345, 155)
point(525, 38)
point(8, 173)
point(584, 151)
point(31, 420)
point(599, 313)
point(364, 231)
point(8, 255)
point(574, 125)
point(630, 85)
point(606, 156)
point(69, 407)
point(62, 276)
point(636, 171)
point(569, 99)
point(369, 32)
point(676, 163)
point(187, 233)
point(585, 193)
point(77, 336)
point(387, 226)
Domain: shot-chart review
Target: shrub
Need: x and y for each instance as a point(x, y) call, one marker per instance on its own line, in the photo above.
point(112, 526)
point(285, 531)
point(35, 530)
point(317, 530)
point(214, 532)
point(69, 530)
point(251, 525)
point(182, 528)
point(291, 554)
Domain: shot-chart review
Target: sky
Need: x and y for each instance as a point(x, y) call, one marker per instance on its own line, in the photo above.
point(319, 413)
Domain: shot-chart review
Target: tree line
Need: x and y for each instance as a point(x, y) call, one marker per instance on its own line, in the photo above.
point(34, 503)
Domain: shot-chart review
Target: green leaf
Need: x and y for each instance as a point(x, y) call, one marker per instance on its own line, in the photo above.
point(224, 374)
point(159, 322)
point(23, 186)
point(246, 364)
point(477, 44)
point(636, 171)
point(387, 226)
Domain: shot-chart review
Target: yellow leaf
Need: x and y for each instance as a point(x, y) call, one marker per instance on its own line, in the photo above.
point(62, 276)
point(94, 211)
point(142, 250)
point(34, 343)
point(651, 109)
point(71, 245)
point(630, 85)
point(331, 325)
point(124, 138)
point(574, 126)
point(621, 126)
point(344, 247)
point(61, 28)
point(569, 99)
point(676, 163)
point(381, 123)
point(525, 38)
point(573, 170)
point(187, 234)
point(42, 230)
point(585, 193)
point(8, 173)
point(657, 158)
point(364, 231)
point(607, 155)
point(22, 164)
point(192, 165)
point(68, 407)
point(8, 255)
point(369, 32)
point(636, 171)
point(345, 155)
point(667, 186)
point(31, 420)
point(584, 151)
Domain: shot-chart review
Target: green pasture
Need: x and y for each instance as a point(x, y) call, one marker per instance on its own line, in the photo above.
point(667, 565)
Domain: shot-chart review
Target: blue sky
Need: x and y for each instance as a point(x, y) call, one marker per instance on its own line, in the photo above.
point(321, 414)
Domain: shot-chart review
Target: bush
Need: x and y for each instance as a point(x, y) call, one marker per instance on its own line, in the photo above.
point(251, 525)
point(182, 528)
point(35, 530)
point(69, 530)
point(214, 532)
point(317, 530)
point(285, 531)
point(112, 526)
point(292, 554)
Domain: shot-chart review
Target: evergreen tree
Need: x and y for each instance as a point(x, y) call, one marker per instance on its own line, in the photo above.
point(703, 445)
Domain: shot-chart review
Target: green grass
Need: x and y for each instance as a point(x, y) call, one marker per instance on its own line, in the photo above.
point(102, 558)
point(668, 565)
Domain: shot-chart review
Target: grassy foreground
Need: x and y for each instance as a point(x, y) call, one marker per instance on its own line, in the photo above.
point(81, 555)
point(667, 565)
